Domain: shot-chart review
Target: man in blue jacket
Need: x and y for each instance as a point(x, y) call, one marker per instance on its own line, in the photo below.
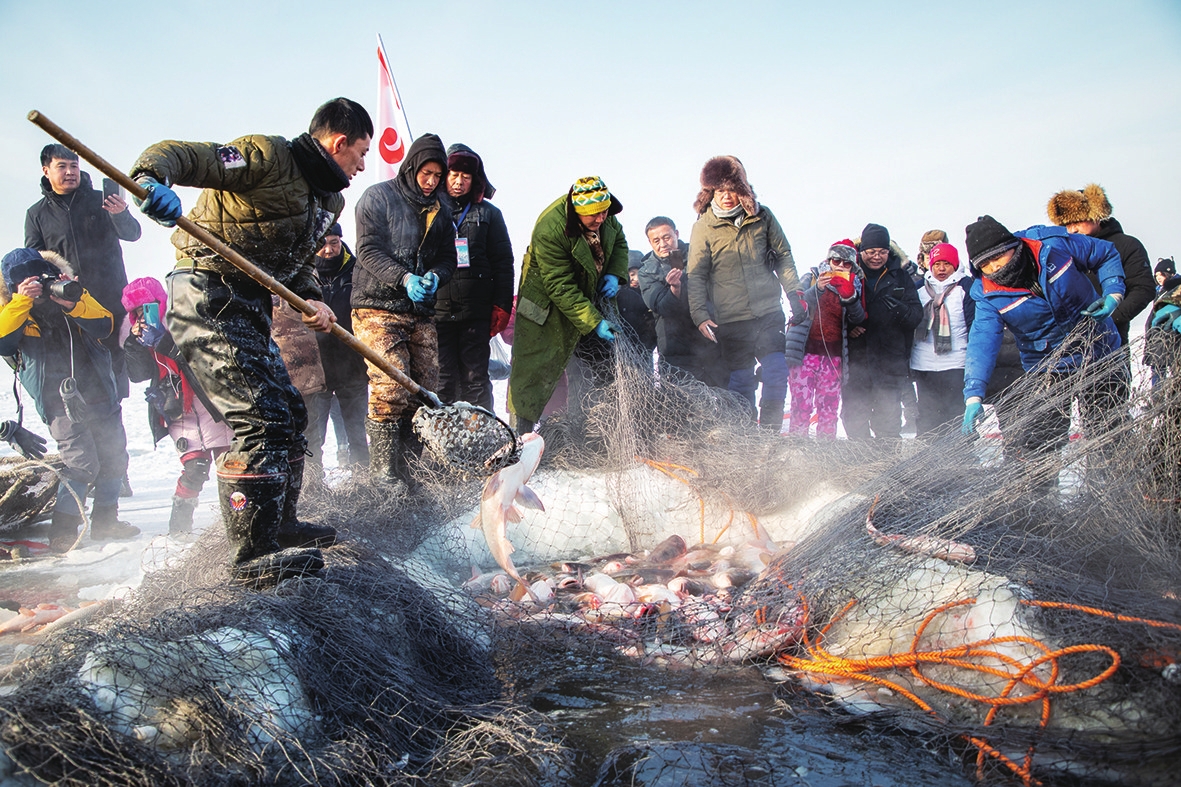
point(1035, 283)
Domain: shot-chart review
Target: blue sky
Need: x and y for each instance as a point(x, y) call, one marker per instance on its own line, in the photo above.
point(912, 115)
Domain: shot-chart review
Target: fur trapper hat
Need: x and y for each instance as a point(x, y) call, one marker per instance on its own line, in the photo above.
point(728, 172)
point(20, 264)
point(1071, 207)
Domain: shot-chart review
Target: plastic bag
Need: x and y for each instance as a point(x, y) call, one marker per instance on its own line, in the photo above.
point(499, 359)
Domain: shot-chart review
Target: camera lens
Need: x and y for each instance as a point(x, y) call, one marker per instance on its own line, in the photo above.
point(66, 290)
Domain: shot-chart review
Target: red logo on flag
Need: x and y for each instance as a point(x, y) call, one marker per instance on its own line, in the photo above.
point(391, 148)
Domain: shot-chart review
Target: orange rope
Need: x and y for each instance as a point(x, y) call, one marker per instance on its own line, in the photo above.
point(668, 469)
point(820, 662)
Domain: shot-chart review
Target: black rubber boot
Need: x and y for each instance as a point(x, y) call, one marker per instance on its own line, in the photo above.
point(293, 532)
point(63, 532)
point(387, 460)
point(105, 525)
point(181, 519)
point(771, 416)
point(251, 508)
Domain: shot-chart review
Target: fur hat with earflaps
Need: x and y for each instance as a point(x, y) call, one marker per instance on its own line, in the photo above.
point(1071, 207)
point(727, 172)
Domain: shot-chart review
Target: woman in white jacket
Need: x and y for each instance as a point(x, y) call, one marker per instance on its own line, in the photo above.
point(941, 340)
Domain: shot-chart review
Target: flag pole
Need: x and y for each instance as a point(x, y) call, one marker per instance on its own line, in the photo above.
point(385, 63)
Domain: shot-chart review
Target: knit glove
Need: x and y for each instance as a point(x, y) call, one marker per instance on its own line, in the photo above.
point(500, 320)
point(844, 287)
point(610, 286)
point(24, 442)
point(1103, 307)
point(799, 307)
point(161, 204)
point(973, 412)
point(151, 335)
point(605, 330)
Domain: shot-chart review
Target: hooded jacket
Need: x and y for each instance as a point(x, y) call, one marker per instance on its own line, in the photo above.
point(892, 312)
point(342, 365)
point(556, 301)
point(400, 232)
point(1040, 324)
point(488, 280)
point(40, 348)
point(77, 227)
point(256, 198)
point(1138, 276)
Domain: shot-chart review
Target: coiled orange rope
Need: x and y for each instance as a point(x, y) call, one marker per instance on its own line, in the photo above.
point(980, 656)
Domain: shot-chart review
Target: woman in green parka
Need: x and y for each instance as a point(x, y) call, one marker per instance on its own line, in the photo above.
point(577, 255)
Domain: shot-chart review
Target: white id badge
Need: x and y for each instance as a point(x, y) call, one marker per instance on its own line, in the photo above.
point(461, 253)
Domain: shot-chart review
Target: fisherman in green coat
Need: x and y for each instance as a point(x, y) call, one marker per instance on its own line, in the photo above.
point(577, 255)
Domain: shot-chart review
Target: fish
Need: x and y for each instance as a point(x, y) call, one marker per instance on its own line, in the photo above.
point(502, 491)
point(670, 548)
point(930, 546)
point(495, 583)
point(85, 611)
point(28, 619)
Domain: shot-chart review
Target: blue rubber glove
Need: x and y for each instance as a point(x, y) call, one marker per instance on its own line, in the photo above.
point(419, 288)
point(162, 205)
point(1165, 315)
point(430, 283)
point(605, 330)
point(1101, 308)
point(610, 286)
point(973, 412)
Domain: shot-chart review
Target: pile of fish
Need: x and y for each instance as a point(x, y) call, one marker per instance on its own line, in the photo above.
point(673, 605)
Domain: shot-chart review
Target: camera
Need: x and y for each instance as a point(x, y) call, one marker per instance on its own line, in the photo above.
point(66, 290)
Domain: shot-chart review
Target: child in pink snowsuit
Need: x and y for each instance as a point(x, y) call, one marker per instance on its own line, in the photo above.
point(176, 404)
point(816, 346)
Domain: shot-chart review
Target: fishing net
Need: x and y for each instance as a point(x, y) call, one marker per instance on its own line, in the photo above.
point(999, 608)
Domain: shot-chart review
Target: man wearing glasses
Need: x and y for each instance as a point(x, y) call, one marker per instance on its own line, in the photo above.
point(879, 350)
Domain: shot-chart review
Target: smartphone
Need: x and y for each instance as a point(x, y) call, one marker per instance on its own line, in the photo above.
point(152, 314)
point(846, 275)
point(111, 188)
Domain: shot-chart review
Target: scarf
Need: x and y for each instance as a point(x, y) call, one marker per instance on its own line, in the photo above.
point(736, 213)
point(596, 248)
point(1018, 273)
point(936, 318)
point(324, 174)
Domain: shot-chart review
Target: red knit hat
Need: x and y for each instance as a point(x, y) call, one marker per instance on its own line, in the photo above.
point(944, 252)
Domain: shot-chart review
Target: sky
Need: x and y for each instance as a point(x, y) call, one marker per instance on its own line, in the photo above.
point(914, 115)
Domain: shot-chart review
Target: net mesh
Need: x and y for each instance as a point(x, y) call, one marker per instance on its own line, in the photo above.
point(1007, 607)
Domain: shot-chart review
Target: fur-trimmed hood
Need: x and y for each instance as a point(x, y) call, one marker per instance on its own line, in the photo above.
point(60, 263)
point(1071, 207)
point(725, 171)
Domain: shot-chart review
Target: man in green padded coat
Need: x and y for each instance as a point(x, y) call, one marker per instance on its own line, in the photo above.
point(573, 267)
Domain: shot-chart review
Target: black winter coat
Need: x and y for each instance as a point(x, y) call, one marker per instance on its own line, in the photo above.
point(488, 280)
point(676, 335)
point(1138, 277)
point(892, 311)
point(76, 227)
point(341, 364)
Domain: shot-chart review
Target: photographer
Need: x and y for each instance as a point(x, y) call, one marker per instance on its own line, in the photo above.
point(53, 327)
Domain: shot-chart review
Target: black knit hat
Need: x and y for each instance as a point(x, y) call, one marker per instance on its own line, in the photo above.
point(1166, 266)
point(985, 238)
point(875, 236)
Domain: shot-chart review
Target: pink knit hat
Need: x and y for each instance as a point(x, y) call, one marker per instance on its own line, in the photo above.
point(140, 291)
point(945, 252)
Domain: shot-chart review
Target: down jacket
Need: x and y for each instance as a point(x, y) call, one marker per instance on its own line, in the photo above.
point(556, 301)
point(89, 322)
point(797, 335)
point(255, 198)
point(1138, 278)
point(77, 227)
point(488, 281)
point(739, 270)
point(892, 312)
point(1040, 324)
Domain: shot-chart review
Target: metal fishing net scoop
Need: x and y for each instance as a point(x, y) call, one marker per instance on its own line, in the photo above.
point(466, 438)
point(469, 439)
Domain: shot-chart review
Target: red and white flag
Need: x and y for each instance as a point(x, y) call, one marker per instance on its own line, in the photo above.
point(393, 130)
